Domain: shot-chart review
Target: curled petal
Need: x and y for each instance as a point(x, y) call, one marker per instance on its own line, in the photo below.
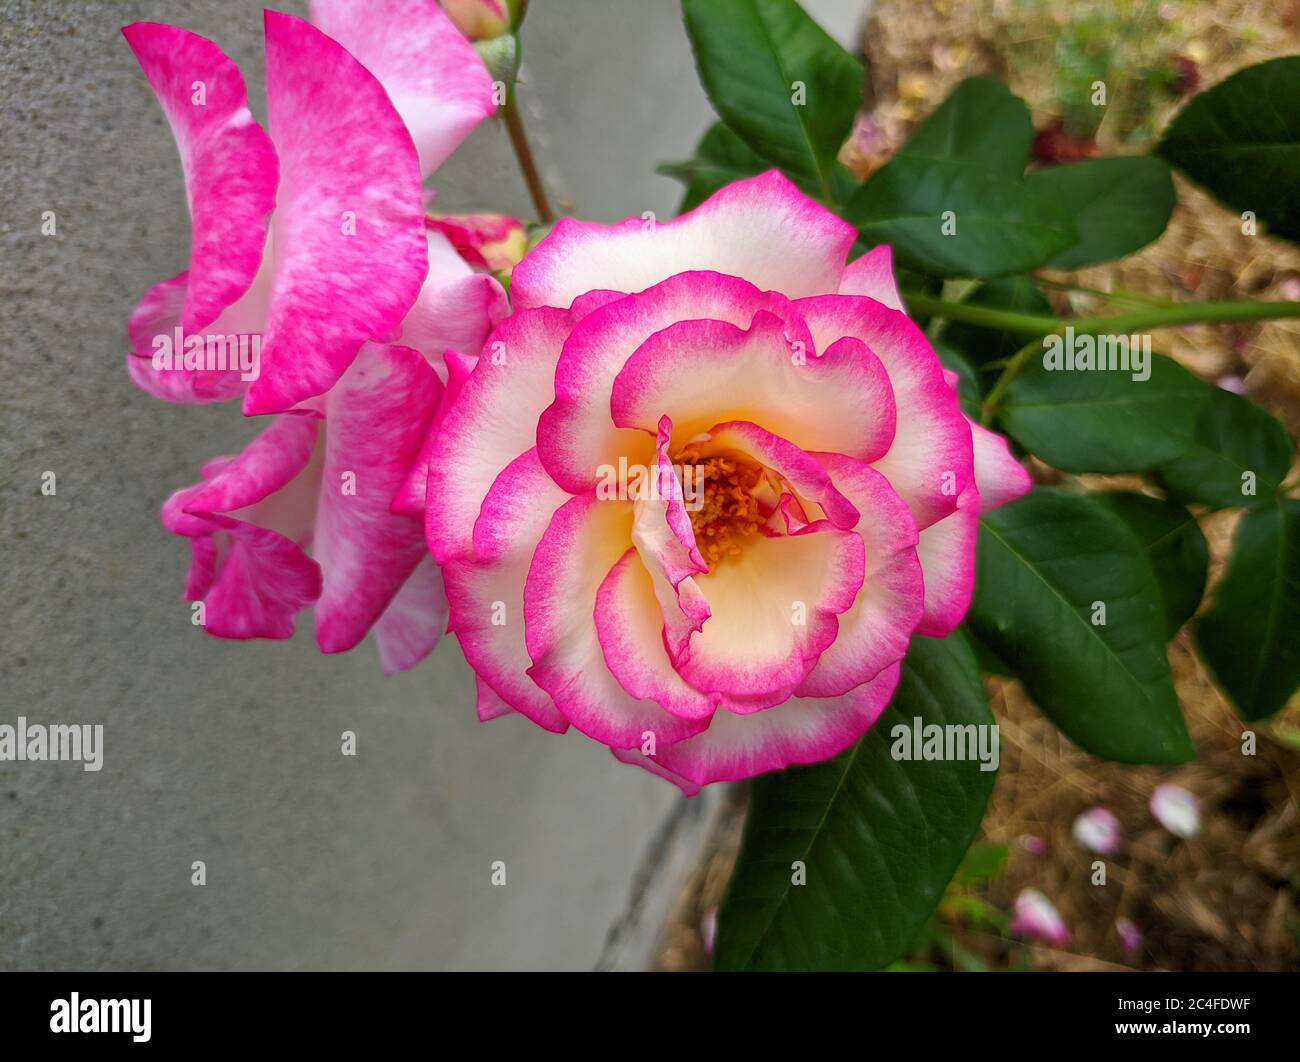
point(230, 165)
point(631, 630)
point(248, 521)
point(665, 542)
point(575, 436)
point(797, 468)
point(695, 370)
point(875, 632)
point(152, 330)
point(456, 307)
point(773, 612)
point(412, 497)
point(348, 232)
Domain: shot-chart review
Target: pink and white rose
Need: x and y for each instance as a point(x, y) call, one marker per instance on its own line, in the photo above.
point(704, 486)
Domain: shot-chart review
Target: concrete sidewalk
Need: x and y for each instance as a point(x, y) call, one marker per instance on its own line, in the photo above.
point(229, 753)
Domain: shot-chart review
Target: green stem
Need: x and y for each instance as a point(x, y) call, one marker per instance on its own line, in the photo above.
point(1013, 368)
point(527, 164)
point(1173, 315)
point(1118, 296)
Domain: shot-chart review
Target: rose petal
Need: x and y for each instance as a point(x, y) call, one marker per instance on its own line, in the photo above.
point(348, 231)
point(432, 74)
point(762, 229)
point(376, 419)
point(229, 162)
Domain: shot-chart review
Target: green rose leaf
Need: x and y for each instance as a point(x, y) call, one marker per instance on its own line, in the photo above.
point(981, 122)
point(1241, 140)
point(720, 158)
point(778, 81)
point(878, 838)
point(1250, 636)
point(1119, 205)
point(1103, 420)
point(1174, 545)
point(1239, 455)
point(953, 218)
point(1065, 594)
point(954, 201)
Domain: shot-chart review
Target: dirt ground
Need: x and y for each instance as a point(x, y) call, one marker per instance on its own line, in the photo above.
point(1226, 899)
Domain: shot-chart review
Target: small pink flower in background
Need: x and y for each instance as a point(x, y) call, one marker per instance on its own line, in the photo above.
point(1177, 810)
point(709, 929)
point(479, 19)
point(316, 293)
point(869, 146)
point(1098, 830)
point(1033, 844)
point(732, 483)
point(1129, 935)
point(495, 242)
point(1033, 916)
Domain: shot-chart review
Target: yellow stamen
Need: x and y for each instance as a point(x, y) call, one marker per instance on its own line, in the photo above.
point(726, 511)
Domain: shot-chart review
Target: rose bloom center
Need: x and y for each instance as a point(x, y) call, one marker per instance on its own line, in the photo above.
point(723, 508)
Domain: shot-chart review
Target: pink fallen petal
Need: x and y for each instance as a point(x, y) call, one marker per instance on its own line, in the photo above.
point(1177, 810)
point(1098, 830)
point(1129, 935)
point(1033, 844)
point(1034, 916)
point(709, 929)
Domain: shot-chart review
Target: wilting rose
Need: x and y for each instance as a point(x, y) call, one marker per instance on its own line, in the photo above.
point(316, 292)
point(704, 486)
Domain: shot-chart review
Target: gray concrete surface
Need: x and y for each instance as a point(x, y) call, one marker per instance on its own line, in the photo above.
point(229, 753)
